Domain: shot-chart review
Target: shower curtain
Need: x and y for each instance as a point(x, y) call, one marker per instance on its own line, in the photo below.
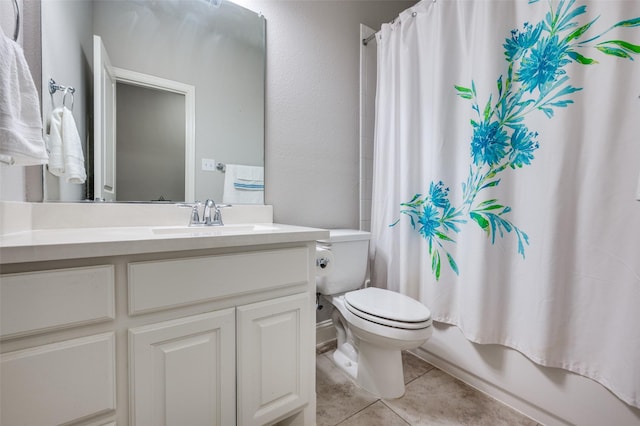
point(507, 153)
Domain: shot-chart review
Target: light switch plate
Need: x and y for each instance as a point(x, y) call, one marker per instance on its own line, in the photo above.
point(208, 164)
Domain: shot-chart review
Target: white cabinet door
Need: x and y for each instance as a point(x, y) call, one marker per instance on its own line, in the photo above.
point(274, 358)
point(182, 372)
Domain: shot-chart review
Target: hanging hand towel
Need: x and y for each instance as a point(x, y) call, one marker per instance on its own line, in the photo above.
point(56, 158)
point(249, 178)
point(66, 158)
point(243, 184)
point(21, 140)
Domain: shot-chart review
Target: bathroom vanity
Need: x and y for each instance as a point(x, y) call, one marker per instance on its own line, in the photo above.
point(156, 325)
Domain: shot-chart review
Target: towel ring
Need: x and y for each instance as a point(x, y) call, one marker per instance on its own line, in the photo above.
point(54, 87)
point(16, 32)
point(64, 97)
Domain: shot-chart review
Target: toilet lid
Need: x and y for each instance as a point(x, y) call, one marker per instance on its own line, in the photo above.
point(388, 307)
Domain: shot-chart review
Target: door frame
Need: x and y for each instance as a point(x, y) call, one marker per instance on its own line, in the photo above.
point(152, 82)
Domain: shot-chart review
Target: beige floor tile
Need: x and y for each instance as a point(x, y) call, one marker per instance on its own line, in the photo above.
point(376, 414)
point(413, 366)
point(337, 396)
point(436, 398)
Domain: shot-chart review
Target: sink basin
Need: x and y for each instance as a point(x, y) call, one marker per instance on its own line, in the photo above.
point(212, 230)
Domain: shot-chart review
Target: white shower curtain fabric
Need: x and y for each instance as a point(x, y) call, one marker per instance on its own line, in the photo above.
point(507, 152)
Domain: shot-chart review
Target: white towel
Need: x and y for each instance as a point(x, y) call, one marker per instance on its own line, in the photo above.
point(249, 178)
point(65, 149)
point(21, 140)
point(249, 173)
point(243, 184)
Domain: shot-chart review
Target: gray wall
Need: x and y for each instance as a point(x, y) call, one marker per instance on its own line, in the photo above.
point(67, 57)
point(151, 144)
point(312, 148)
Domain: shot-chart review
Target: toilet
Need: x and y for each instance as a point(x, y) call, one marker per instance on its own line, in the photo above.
point(373, 325)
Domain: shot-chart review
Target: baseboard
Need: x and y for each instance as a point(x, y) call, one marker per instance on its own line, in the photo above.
point(325, 332)
point(507, 398)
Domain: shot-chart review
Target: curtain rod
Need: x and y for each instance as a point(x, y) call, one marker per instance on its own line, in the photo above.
point(16, 31)
point(366, 41)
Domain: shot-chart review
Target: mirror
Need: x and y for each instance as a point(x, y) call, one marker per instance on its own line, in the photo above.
point(215, 46)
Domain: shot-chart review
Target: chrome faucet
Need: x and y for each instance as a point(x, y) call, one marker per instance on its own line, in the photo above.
point(211, 214)
point(216, 220)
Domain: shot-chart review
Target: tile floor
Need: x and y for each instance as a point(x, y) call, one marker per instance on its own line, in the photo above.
point(432, 397)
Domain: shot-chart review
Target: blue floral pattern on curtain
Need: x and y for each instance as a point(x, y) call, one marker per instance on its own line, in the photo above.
point(536, 80)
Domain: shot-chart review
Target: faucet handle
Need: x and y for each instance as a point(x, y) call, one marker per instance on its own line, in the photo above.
point(217, 215)
point(194, 218)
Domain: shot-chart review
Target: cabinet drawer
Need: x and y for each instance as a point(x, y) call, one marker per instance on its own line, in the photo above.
point(58, 383)
point(33, 302)
point(164, 284)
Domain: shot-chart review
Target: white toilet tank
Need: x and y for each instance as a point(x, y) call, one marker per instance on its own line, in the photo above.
point(350, 249)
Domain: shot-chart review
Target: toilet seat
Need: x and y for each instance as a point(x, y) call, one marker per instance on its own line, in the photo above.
point(388, 308)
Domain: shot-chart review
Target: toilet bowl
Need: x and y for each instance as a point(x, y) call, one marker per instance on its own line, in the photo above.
point(373, 325)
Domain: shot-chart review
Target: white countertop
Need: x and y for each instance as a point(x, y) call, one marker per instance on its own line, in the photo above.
point(71, 243)
point(34, 232)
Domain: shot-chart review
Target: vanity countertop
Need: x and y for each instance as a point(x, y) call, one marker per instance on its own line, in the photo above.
point(72, 243)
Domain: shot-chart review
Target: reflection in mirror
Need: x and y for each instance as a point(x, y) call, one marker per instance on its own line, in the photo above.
point(219, 50)
point(149, 120)
point(147, 145)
